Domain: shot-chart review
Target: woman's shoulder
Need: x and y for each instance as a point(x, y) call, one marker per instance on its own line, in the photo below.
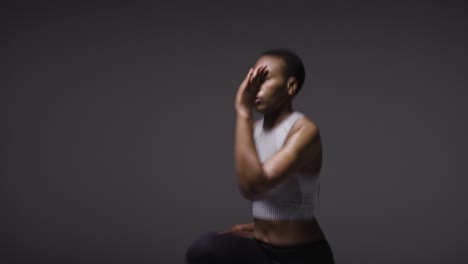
point(304, 122)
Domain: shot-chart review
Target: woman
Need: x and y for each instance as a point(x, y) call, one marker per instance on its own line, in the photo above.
point(278, 161)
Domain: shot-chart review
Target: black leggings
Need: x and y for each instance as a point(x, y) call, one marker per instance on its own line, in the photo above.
point(212, 247)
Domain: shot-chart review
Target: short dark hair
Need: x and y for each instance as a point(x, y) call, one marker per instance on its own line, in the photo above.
point(294, 65)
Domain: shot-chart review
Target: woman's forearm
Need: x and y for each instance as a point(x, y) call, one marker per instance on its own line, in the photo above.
point(247, 163)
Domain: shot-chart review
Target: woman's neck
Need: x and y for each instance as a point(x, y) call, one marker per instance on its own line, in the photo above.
point(271, 119)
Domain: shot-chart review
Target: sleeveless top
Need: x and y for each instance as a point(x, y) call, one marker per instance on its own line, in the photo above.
point(296, 197)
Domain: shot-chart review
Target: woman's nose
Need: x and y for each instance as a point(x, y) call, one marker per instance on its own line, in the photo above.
point(260, 92)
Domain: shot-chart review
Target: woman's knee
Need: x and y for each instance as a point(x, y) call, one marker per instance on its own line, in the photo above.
point(202, 249)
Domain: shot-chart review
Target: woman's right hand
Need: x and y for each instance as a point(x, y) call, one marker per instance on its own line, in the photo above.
point(247, 91)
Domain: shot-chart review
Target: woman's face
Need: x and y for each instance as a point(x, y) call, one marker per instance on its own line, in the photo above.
point(273, 92)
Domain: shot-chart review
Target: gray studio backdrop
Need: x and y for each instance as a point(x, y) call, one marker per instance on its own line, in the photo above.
point(118, 126)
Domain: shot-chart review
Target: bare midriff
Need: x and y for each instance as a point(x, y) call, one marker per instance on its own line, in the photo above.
point(287, 232)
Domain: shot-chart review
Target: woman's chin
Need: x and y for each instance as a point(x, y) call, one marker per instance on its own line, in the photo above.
point(259, 109)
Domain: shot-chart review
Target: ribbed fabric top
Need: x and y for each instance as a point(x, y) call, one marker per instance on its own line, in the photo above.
point(296, 197)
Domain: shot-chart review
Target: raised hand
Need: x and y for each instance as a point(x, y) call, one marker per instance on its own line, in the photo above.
point(248, 90)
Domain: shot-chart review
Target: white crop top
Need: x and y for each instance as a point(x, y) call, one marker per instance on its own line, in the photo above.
point(297, 196)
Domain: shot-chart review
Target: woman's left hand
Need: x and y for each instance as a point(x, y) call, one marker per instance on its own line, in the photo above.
point(243, 230)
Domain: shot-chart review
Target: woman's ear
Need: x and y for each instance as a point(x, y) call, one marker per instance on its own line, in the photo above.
point(292, 85)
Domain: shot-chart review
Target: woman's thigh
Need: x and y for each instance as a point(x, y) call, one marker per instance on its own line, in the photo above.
point(312, 252)
point(212, 247)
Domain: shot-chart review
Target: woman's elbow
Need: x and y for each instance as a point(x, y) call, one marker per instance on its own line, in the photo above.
point(253, 192)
